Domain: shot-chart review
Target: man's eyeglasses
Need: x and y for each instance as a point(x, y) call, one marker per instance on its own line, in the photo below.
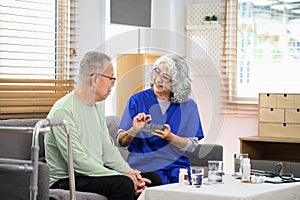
point(164, 77)
point(109, 77)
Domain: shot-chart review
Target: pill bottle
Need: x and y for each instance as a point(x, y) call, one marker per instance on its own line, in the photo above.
point(183, 174)
point(246, 170)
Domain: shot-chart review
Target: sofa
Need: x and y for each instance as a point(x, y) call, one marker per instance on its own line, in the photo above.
point(16, 148)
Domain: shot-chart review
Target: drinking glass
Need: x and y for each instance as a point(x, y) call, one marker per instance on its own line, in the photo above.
point(215, 171)
point(197, 176)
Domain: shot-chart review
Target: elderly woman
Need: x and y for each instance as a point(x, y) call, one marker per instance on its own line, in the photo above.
point(167, 103)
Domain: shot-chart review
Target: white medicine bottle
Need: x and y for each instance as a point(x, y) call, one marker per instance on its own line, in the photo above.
point(246, 170)
point(183, 174)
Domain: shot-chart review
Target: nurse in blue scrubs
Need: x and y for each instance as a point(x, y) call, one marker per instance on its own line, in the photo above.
point(167, 103)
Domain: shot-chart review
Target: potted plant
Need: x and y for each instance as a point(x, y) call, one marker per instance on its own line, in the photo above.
point(214, 19)
point(207, 19)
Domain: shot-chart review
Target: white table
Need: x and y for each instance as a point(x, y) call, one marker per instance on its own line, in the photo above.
point(231, 189)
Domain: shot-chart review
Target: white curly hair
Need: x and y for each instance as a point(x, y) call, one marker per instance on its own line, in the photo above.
point(181, 76)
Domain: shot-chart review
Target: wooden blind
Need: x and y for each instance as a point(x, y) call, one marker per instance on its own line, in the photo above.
point(38, 46)
point(232, 105)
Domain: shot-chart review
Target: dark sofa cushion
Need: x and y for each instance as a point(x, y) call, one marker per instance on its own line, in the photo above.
point(18, 145)
point(60, 194)
point(112, 123)
point(15, 185)
point(205, 152)
point(19, 122)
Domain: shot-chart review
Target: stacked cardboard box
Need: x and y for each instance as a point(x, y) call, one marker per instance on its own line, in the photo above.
point(279, 115)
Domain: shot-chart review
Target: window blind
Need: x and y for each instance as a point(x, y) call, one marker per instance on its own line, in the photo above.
point(232, 106)
point(38, 46)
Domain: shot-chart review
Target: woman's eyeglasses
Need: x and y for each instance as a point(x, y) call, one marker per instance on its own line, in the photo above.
point(164, 77)
point(109, 77)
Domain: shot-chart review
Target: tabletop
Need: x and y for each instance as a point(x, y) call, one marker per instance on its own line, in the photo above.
point(232, 189)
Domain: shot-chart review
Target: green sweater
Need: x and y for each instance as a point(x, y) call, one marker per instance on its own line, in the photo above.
point(94, 153)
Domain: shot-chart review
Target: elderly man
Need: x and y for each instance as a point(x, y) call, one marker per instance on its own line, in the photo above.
point(98, 165)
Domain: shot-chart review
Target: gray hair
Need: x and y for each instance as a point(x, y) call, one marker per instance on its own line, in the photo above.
point(92, 62)
point(181, 77)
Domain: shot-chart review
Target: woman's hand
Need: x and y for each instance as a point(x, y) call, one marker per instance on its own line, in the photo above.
point(179, 142)
point(164, 134)
point(139, 121)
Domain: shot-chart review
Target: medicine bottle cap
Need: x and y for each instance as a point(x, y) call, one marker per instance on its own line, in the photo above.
point(183, 170)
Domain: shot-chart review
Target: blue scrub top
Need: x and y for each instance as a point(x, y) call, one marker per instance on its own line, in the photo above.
point(150, 153)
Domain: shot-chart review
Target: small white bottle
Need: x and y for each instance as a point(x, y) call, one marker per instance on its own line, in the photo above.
point(183, 174)
point(246, 170)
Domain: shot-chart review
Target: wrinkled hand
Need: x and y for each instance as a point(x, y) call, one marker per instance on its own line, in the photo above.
point(138, 180)
point(165, 134)
point(140, 120)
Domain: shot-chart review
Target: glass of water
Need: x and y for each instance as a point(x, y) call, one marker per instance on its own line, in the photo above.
point(197, 176)
point(215, 171)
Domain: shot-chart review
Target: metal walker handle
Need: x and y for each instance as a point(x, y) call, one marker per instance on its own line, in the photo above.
point(35, 155)
point(41, 126)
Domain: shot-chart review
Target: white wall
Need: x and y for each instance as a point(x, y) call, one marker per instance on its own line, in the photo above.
point(91, 23)
point(168, 35)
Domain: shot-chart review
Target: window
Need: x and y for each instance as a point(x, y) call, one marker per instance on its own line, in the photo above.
point(267, 49)
point(36, 51)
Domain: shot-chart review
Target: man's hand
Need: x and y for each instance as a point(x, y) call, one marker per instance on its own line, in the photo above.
point(138, 180)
